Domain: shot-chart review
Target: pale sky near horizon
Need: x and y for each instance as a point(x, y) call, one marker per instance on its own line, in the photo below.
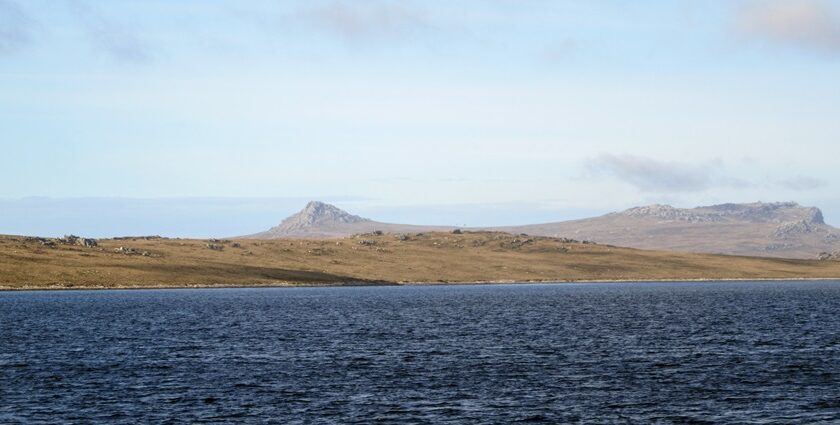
point(416, 111)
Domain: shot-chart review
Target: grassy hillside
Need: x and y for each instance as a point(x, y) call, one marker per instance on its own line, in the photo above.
point(430, 257)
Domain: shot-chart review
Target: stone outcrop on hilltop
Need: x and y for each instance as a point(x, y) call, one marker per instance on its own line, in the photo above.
point(316, 213)
point(314, 216)
point(319, 220)
point(829, 256)
point(667, 212)
point(791, 219)
point(766, 211)
point(773, 212)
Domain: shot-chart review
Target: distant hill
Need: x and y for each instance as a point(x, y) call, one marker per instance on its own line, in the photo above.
point(319, 220)
point(779, 229)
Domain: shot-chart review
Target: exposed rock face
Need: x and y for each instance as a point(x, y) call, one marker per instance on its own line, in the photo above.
point(667, 212)
point(829, 256)
point(794, 228)
point(759, 212)
point(316, 213)
point(66, 240)
point(320, 220)
point(87, 242)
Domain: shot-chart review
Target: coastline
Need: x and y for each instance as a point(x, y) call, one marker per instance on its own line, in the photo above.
point(288, 285)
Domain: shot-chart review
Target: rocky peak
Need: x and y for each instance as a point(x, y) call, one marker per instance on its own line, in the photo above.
point(317, 213)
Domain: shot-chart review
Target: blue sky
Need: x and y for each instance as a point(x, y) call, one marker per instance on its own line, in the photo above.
point(472, 112)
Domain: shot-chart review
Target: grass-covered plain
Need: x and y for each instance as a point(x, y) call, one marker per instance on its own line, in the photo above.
point(367, 259)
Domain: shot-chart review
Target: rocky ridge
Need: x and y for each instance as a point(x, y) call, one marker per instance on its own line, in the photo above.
point(773, 212)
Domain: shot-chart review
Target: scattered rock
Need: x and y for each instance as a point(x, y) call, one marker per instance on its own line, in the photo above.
point(132, 251)
point(516, 243)
point(402, 237)
point(68, 240)
point(793, 228)
point(215, 246)
point(778, 246)
point(457, 232)
point(829, 256)
point(87, 242)
point(367, 242)
point(77, 240)
point(319, 251)
point(236, 245)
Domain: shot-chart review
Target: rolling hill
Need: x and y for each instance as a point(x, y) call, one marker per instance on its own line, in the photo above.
point(778, 229)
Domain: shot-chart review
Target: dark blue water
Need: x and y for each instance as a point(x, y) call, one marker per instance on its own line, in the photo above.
point(760, 352)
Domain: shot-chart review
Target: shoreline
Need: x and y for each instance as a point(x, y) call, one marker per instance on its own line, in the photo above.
point(288, 285)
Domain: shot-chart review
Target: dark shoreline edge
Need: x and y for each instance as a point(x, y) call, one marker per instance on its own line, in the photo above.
point(357, 284)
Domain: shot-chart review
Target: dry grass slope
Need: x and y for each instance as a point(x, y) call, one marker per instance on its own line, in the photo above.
point(368, 259)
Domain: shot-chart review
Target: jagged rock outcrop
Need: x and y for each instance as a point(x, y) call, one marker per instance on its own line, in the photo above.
point(313, 215)
point(322, 220)
point(65, 240)
point(667, 212)
point(794, 228)
point(773, 212)
point(829, 256)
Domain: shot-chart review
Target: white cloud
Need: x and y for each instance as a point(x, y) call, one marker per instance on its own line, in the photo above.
point(651, 175)
point(813, 24)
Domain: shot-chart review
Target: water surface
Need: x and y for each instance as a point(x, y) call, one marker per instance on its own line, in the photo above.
point(741, 352)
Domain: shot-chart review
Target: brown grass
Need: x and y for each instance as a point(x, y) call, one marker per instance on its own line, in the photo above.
point(370, 259)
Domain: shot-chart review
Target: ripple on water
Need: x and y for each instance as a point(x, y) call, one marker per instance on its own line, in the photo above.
point(629, 353)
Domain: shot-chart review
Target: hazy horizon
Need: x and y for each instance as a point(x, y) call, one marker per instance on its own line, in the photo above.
point(104, 217)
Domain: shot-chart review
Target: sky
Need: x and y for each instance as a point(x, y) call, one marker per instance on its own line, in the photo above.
point(213, 117)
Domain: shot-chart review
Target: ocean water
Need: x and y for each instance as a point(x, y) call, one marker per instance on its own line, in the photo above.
point(717, 352)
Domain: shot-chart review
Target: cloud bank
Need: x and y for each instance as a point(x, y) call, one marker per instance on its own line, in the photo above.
point(651, 175)
point(802, 183)
point(811, 24)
